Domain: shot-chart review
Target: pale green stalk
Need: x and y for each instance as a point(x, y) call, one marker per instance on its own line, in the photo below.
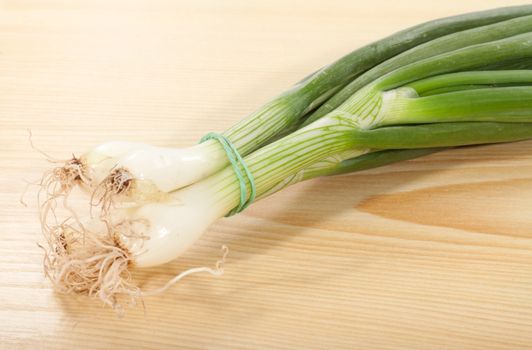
point(271, 167)
point(374, 106)
point(348, 129)
point(367, 161)
point(288, 110)
point(429, 49)
point(477, 79)
point(349, 162)
point(487, 104)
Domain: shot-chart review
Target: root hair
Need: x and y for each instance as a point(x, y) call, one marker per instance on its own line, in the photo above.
point(117, 182)
point(56, 184)
point(94, 264)
point(218, 270)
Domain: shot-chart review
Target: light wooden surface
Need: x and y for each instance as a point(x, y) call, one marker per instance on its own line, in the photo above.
point(434, 253)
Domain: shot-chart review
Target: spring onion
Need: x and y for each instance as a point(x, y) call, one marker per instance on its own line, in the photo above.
point(459, 81)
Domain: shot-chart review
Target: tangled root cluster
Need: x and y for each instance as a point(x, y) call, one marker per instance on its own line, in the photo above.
point(89, 263)
point(89, 257)
point(55, 187)
point(79, 259)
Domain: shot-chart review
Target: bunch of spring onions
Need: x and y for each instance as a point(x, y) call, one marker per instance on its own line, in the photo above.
point(456, 81)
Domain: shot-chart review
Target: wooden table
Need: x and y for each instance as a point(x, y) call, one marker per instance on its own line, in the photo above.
point(434, 253)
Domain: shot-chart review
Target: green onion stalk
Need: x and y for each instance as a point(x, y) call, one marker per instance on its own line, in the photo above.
point(453, 82)
point(116, 166)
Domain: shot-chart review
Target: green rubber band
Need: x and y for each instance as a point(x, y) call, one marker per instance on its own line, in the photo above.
point(236, 161)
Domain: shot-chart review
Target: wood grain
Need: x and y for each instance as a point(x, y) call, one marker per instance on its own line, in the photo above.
point(434, 253)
